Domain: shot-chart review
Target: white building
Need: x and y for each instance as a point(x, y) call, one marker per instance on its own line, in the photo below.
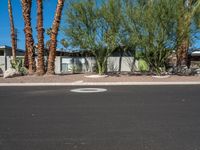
point(6, 56)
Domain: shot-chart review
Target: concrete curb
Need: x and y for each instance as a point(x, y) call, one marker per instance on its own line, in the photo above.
point(99, 83)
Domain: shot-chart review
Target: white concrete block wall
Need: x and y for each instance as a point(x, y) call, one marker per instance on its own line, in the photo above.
point(86, 63)
point(2, 63)
point(126, 64)
point(113, 64)
point(91, 62)
point(58, 65)
point(9, 58)
point(88, 66)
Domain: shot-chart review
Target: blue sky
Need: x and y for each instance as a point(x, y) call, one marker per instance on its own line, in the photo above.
point(49, 10)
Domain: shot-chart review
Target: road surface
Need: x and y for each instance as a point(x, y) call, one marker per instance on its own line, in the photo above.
point(123, 118)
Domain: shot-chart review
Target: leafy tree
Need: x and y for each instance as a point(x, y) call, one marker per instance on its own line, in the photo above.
point(117, 38)
point(152, 31)
point(132, 25)
point(64, 43)
point(91, 28)
point(151, 27)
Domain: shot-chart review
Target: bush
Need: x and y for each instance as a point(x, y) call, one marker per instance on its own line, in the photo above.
point(143, 66)
point(18, 65)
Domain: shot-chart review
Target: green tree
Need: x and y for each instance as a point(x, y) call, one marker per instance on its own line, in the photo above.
point(64, 43)
point(91, 28)
point(112, 13)
point(151, 28)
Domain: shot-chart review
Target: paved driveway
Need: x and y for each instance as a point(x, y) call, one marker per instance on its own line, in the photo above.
point(123, 118)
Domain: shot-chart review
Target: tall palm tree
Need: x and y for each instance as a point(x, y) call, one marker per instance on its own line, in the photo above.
point(54, 33)
point(187, 10)
point(12, 30)
point(40, 30)
point(26, 8)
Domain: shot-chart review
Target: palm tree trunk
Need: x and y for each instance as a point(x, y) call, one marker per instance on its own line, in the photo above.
point(26, 63)
point(183, 42)
point(183, 33)
point(54, 33)
point(40, 30)
point(182, 53)
point(26, 7)
point(12, 30)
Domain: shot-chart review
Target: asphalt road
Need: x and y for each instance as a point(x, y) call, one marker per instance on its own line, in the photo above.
point(123, 118)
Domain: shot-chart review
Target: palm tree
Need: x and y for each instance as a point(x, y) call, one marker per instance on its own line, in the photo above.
point(12, 30)
point(187, 10)
point(54, 33)
point(40, 30)
point(26, 8)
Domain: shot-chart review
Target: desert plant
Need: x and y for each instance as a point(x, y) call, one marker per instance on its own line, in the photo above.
point(18, 65)
point(143, 66)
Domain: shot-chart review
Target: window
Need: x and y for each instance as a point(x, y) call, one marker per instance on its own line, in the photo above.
point(66, 65)
point(1, 53)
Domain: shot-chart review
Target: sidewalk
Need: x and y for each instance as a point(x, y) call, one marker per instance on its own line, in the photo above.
point(80, 79)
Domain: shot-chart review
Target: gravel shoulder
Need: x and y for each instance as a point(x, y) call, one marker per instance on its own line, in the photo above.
point(76, 78)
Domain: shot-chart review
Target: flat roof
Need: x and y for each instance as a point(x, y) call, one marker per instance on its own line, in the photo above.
point(4, 46)
point(8, 47)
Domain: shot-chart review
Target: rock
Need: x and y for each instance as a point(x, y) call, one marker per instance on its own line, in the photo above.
point(171, 71)
point(184, 70)
point(197, 72)
point(11, 73)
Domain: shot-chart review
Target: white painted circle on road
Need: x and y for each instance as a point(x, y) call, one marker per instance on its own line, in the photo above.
point(88, 90)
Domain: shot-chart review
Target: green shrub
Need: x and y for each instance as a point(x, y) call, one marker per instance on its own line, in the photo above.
point(143, 66)
point(18, 65)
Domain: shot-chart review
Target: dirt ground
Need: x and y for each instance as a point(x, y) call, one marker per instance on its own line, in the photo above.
point(71, 78)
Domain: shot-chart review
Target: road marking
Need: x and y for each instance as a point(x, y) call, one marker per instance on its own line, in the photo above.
point(88, 90)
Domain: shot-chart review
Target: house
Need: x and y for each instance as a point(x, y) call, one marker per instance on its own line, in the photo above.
point(84, 61)
point(6, 56)
point(74, 62)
